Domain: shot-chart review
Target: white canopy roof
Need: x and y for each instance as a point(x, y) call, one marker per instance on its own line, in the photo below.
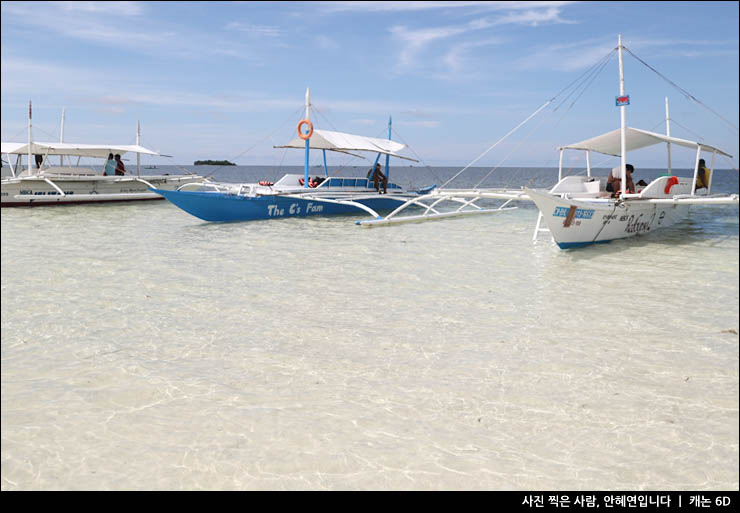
point(80, 150)
point(338, 141)
point(610, 143)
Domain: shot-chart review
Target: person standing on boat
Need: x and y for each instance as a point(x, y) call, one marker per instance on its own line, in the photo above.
point(120, 170)
point(110, 166)
point(614, 182)
point(377, 177)
point(702, 177)
point(40, 160)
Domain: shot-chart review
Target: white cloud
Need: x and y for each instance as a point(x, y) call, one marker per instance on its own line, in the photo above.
point(254, 30)
point(414, 41)
point(99, 24)
point(426, 6)
point(109, 8)
point(424, 124)
point(567, 57)
point(326, 42)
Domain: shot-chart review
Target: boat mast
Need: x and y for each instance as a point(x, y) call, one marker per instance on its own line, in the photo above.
point(668, 132)
point(138, 142)
point(308, 143)
point(61, 138)
point(623, 115)
point(29, 137)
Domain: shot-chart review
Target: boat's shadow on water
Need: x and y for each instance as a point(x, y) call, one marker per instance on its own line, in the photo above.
point(689, 233)
point(278, 227)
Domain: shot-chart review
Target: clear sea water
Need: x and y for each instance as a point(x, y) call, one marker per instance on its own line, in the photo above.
point(144, 349)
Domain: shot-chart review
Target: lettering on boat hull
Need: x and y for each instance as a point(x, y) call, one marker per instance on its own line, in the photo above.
point(581, 213)
point(294, 209)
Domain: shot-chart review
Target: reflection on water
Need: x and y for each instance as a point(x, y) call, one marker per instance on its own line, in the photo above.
point(145, 349)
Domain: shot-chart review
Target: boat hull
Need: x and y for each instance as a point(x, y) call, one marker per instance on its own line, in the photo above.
point(36, 191)
point(223, 207)
point(599, 221)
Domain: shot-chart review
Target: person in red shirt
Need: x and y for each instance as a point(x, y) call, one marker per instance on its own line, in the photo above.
point(120, 169)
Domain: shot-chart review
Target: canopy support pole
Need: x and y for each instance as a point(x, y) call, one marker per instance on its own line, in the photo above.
point(696, 171)
point(711, 172)
point(10, 162)
point(30, 160)
point(388, 157)
point(61, 138)
point(560, 166)
point(138, 143)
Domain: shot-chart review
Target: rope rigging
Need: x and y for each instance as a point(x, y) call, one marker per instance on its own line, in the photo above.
point(581, 83)
point(680, 89)
point(578, 87)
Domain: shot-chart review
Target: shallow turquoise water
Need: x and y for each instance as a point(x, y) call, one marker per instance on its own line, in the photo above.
point(145, 349)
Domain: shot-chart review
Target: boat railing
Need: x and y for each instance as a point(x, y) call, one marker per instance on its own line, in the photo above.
point(215, 186)
point(135, 179)
point(363, 183)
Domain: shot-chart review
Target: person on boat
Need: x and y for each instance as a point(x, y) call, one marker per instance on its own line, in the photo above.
point(110, 166)
point(614, 182)
point(377, 177)
point(120, 169)
point(39, 161)
point(702, 176)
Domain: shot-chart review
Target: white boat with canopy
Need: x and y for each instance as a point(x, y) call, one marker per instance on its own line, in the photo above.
point(578, 210)
point(44, 180)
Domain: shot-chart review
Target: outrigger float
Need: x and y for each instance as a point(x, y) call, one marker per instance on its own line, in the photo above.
point(296, 195)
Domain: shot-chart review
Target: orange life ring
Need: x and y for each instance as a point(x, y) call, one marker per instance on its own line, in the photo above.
point(303, 136)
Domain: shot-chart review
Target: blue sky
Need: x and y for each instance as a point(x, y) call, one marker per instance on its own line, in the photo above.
point(227, 80)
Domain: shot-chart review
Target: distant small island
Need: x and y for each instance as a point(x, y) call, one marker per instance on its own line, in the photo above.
point(213, 163)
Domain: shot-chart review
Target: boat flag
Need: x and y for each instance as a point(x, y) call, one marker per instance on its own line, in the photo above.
point(623, 100)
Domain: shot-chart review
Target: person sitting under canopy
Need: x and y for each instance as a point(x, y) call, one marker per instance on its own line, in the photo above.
point(377, 176)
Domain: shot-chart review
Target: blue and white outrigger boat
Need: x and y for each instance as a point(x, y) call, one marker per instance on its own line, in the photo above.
point(296, 195)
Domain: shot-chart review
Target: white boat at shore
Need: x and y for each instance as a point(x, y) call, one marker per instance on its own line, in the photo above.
point(41, 182)
point(578, 211)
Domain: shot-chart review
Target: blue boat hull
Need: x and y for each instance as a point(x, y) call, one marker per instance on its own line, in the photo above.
point(219, 207)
